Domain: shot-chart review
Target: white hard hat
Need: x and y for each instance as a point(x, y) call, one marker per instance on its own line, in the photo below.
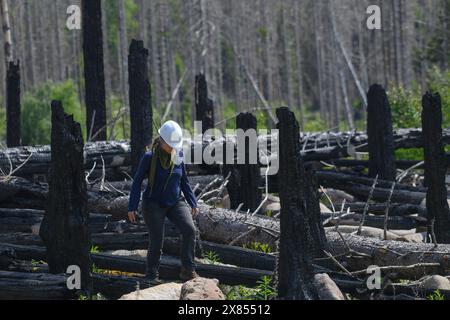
point(172, 134)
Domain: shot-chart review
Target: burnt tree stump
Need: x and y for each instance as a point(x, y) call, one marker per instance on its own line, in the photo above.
point(140, 102)
point(380, 135)
point(13, 126)
point(234, 184)
point(249, 172)
point(94, 74)
point(435, 167)
point(64, 229)
point(302, 237)
point(204, 107)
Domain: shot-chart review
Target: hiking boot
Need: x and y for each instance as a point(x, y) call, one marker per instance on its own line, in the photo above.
point(186, 275)
point(153, 280)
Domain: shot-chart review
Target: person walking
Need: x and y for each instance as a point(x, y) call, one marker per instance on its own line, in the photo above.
point(167, 179)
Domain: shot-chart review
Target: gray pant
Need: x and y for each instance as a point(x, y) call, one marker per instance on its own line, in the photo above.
point(180, 215)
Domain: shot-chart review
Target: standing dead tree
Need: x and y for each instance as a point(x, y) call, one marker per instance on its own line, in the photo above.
point(203, 105)
point(94, 74)
point(249, 171)
point(140, 102)
point(435, 168)
point(65, 229)
point(380, 135)
point(302, 237)
point(13, 126)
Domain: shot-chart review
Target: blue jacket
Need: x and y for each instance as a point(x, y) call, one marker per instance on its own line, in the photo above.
point(178, 182)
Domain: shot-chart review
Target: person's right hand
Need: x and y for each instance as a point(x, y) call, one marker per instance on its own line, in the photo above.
point(132, 216)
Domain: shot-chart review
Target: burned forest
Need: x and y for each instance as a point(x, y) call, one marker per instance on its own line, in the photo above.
point(315, 140)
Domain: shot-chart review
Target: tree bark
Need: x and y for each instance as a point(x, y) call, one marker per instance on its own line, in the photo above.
point(435, 167)
point(93, 69)
point(64, 228)
point(203, 105)
point(13, 136)
point(380, 135)
point(140, 102)
point(302, 236)
point(249, 173)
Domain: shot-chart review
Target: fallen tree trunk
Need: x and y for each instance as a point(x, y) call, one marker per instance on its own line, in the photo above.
point(401, 164)
point(237, 256)
point(403, 139)
point(118, 153)
point(386, 253)
point(379, 194)
point(395, 209)
point(233, 255)
point(332, 178)
point(20, 271)
point(360, 186)
point(169, 268)
point(414, 291)
point(24, 220)
point(226, 226)
point(115, 286)
point(393, 223)
point(223, 226)
point(416, 271)
point(33, 286)
point(114, 154)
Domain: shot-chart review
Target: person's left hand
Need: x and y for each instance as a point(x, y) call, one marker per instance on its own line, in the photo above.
point(195, 212)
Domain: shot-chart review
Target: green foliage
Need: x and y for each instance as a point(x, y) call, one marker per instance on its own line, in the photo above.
point(263, 291)
point(312, 121)
point(36, 114)
point(96, 269)
point(261, 247)
point(95, 249)
point(229, 114)
point(112, 25)
point(406, 104)
point(122, 121)
point(82, 297)
point(262, 33)
point(261, 119)
point(37, 262)
point(409, 154)
point(211, 257)
point(437, 295)
point(406, 107)
point(237, 292)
